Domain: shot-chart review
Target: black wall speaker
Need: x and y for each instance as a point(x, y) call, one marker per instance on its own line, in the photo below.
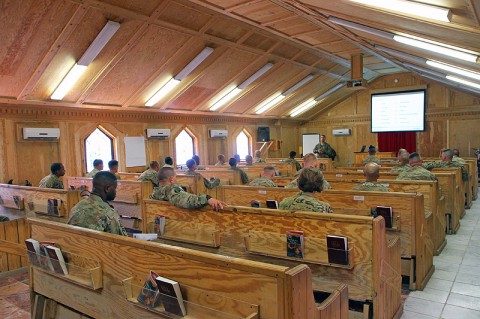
point(263, 134)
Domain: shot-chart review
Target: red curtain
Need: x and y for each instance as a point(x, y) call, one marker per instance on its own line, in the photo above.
point(393, 141)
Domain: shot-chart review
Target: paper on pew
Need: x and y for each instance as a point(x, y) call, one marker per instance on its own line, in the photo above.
point(152, 236)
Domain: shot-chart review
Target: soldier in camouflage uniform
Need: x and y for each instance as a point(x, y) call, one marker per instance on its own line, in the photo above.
point(402, 160)
point(248, 160)
point(233, 166)
point(309, 160)
point(221, 160)
point(97, 167)
point(168, 163)
point(168, 190)
point(323, 149)
point(113, 168)
point(258, 158)
point(371, 156)
point(416, 171)
point(456, 157)
point(94, 212)
point(371, 172)
point(192, 166)
point(151, 174)
point(53, 180)
point(266, 179)
point(291, 159)
point(447, 156)
point(310, 181)
point(196, 158)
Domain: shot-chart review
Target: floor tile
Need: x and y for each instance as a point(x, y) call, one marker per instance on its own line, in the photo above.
point(468, 279)
point(425, 307)
point(439, 284)
point(455, 312)
point(466, 289)
point(22, 300)
point(415, 315)
point(12, 289)
point(464, 301)
point(430, 294)
point(445, 275)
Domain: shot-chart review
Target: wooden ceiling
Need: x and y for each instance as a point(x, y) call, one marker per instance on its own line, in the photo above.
point(41, 40)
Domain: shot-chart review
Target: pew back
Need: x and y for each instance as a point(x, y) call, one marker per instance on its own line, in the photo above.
point(12, 244)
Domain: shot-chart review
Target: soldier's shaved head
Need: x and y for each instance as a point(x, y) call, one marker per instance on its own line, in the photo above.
point(105, 185)
point(310, 160)
point(269, 171)
point(154, 164)
point(414, 159)
point(371, 171)
point(403, 156)
point(165, 173)
point(447, 155)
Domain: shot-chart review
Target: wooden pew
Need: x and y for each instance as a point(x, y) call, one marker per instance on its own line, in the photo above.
point(128, 199)
point(325, 163)
point(128, 176)
point(412, 224)
point(259, 234)
point(32, 201)
point(459, 195)
point(472, 163)
point(433, 201)
point(215, 286)
point(13, 253)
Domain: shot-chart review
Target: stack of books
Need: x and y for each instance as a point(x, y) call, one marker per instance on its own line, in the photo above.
point(295, 244)
point(46, 255)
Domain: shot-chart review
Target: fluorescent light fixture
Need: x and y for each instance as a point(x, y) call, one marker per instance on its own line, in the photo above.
point(441, 48)
point(99, 43)
point(194, 63)
point(401, 54)
point(68, 81)
point(268, 105)
point(410, 7)
point(173, 82)
point(455, 79)
point(303, 107)
point(255, 76)
point(93, 50)
point(225, 99)
point(453, 69)
point(170, 85)
point(436, 47)
point(307, 79)
point(424, 70)
point(230, 95)
point(324, 95)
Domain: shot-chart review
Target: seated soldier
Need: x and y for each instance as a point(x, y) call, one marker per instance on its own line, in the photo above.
point(151, 174)
point(266, 179)
point(310, 182)
point(168, 190)
point(97, 167)
point(402, 161)
point(457, 158)
point(192, 166)
point(237, 157)
point(416, 171)
point(371, 156)
point(168, 163)
point(221, 160)
point(447, 156)
point(258, 157)
point(292, 159)
point(113, 168)
point(233, 166)
point(94, 212)
point(53, 180)
point(309, 160)
point(248, 160)
point(4, 218)
point(371, 172)
point(196, 158)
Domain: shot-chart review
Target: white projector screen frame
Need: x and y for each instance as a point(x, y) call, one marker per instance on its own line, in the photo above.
point(309, 141)
point(400, 111)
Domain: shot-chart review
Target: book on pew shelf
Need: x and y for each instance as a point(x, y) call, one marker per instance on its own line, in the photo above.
point(152, 236)
point(272, 204)
point(171, 296)
point(57, 260)
point(149, 295)
point(18, 202)
point(295, 245)
point(337, 249)
point(387, 214)
point(45, 261)
point(53, 207)
point(33, 247)
point(159, 224)
point(255, 204)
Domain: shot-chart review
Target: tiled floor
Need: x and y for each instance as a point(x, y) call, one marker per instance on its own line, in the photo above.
point(453, 292)
point(15, 297)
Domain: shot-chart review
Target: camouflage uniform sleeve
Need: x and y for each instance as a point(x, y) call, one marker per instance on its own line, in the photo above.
point(285, 203)
point(156, 194)
point(244, 177)
point(297, 164)
point(326, 185)
point(328, 150)
point(211, 184)
point(431, 165)
point(464, 174)
point(182, 199)
point(114, 226)
point(292, 184)
point(317, 147)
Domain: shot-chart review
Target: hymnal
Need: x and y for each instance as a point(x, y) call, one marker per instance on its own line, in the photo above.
point(387, 213)
point(57, 260)
point(18, 201)
point(45, 261)
point(171, 296)
point(33, 247)
point(295, 245)
point(159, 224)
point(272, 204)
point(54, 206)
point(255, 204)
point(337, 248)
point(149, 295)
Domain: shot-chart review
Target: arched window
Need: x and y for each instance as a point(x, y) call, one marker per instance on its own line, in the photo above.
point(184, 147)
point(243, 144)
point(98, 145)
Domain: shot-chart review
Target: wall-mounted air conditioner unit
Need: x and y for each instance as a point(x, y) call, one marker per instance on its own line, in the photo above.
point(158, 133)
point(37, 133)
point(218, 133)
point(342, 132)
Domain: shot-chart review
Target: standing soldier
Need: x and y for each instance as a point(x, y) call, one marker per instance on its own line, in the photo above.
point(323, 149)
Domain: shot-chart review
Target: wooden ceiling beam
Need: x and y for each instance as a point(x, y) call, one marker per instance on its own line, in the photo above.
point(241, 5)
point(102, 74)
point(277, 20)
point(72, 24)
point(474, 8)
